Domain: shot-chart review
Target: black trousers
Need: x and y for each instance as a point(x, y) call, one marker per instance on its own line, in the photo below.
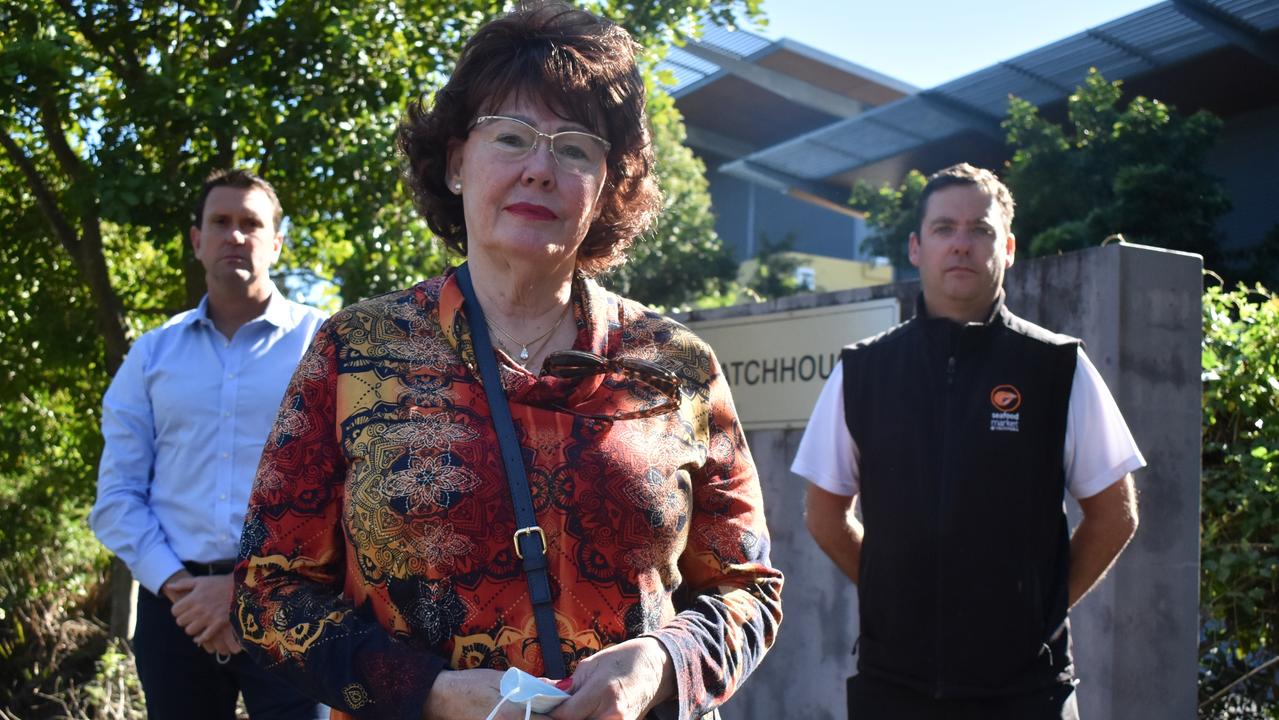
point(872, 699)
point(183, 682)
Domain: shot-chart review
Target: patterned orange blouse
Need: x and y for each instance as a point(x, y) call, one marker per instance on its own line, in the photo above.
point(377, 549)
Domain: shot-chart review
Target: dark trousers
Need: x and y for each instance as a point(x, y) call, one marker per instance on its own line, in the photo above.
point(183, 682)
point(872, 699)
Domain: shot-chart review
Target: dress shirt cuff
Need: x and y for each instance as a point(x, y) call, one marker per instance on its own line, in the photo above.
point(156, 566)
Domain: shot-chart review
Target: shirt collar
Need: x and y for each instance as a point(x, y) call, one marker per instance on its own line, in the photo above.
point(277, 313)
point(199, 315)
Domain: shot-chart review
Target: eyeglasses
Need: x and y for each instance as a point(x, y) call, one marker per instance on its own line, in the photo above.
point(576, 151)
point(656, 388)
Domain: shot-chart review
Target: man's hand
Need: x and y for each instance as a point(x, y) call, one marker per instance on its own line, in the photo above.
point(622, 682)
point(470, 695)
point(203, 610)
point(168, 588)
point(836, 529)
point(1110, 519)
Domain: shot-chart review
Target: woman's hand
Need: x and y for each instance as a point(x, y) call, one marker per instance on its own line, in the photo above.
point(470, 695)
point(622, 682)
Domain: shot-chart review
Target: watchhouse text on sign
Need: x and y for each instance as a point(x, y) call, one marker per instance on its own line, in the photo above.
point(777, 363)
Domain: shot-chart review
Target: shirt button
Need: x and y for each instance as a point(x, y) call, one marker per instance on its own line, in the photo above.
point(226, 413)
point(230, 376)
point(222, 496)
point(226, 455)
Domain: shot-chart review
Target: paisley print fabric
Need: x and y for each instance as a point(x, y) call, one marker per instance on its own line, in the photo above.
point(378, 546)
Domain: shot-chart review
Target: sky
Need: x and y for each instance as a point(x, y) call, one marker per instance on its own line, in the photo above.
point(929, 42)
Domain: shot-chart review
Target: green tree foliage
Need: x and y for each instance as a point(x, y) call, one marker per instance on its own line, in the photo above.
point(1239, 590)
point(890, 215)
point(114, 114)
point(1135, 169)
point(111, 115)
point(49, 380)
point(682, 258)
point(774, 274)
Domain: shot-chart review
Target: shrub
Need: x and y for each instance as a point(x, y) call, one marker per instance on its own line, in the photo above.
point(1239, 588)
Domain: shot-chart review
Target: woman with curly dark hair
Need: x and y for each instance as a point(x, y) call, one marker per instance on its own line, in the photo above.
point(508, 466)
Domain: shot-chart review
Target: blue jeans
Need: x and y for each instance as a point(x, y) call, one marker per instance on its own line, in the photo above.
point(183, 682)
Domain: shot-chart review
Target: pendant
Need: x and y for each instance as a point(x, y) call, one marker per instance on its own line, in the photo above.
point(524, 353)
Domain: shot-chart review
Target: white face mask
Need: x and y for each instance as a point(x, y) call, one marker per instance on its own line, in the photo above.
point(537, 695)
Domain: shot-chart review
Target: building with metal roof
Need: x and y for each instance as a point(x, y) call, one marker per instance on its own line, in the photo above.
point(741, 93)
point(1218, 55)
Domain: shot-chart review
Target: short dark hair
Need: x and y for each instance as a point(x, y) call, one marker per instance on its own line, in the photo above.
point(965, 174)
point(243, 180)
point(583, 67)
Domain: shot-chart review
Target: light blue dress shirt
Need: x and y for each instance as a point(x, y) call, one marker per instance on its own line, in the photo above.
point(184, 421)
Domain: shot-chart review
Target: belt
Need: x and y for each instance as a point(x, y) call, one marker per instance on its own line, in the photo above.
point(217, 567)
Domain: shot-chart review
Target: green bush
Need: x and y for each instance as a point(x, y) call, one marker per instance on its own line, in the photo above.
point(1239, 588)
point(1136, 167)
point(890, 216)
point(52, 594)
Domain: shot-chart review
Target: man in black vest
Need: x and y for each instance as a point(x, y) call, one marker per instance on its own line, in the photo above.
point(961, 430)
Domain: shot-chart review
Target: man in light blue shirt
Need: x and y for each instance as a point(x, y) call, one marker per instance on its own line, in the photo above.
point(184, 422)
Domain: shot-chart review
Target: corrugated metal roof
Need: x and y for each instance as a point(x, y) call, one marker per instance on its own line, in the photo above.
point(1145, 40)
point(1260, 14)
point(686, 68)
point(690, 71)
point(736, 42)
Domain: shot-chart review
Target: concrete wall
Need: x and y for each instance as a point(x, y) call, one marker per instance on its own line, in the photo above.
point(1138, 310)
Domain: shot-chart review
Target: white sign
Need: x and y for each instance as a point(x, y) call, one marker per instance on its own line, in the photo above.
point(776, 364)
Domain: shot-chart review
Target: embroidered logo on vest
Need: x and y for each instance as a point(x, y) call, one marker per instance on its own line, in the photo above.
point(1007, 400)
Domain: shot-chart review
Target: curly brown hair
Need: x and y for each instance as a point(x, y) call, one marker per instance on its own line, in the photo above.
point(583, 67)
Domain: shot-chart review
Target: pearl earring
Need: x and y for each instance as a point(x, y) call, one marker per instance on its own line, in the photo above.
point(457, 186)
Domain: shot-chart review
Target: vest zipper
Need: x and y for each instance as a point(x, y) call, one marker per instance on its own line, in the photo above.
point(941, 512)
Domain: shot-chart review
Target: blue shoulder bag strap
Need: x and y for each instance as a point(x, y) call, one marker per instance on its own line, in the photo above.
point(530, 541)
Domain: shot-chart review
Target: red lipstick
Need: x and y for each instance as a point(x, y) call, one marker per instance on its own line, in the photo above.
point(531, 211)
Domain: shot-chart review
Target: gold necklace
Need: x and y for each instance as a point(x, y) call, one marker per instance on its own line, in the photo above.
point(524, 354)
point(534, 349)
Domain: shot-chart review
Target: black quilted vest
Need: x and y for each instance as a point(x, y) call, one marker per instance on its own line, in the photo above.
point(960, 430)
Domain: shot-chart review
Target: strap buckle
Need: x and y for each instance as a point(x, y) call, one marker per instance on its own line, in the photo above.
point(534, 530)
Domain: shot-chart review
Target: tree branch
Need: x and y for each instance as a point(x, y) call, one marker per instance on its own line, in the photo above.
point(124, 64)
point(240, 13)
point(93, 267)
point(45, 200)
point(1224, 691)
point(52, 125)
point(85, 251)
point(265, 163)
